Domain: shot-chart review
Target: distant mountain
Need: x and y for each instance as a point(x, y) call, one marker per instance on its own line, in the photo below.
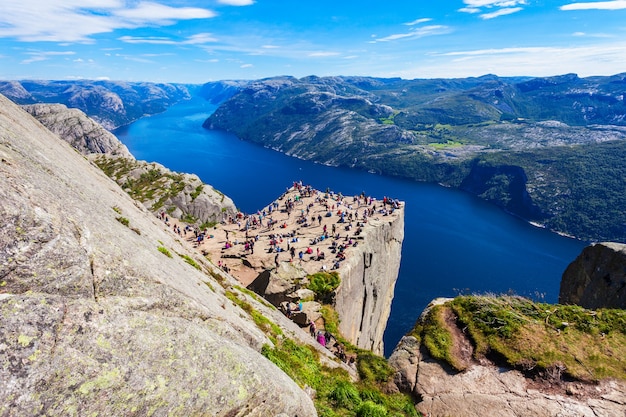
point(547, 149)
point(110, 103)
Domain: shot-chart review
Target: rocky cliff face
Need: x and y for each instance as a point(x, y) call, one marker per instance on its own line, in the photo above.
point(103, 311)
point(73, 126)
point(597, 278)
point(110, 103)
point(180, 195)
point(368, 279)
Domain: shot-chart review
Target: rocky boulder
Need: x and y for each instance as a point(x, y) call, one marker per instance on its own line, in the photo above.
point(489, 390)
point(73, 126)
point(597, 278)
point(484, 388)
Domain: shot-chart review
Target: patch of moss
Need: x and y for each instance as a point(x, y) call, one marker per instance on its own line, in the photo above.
point(164, 251)
point(123, 220)
point(190, 261)
point(262, 322)
point(196, 192)
point(588, 344)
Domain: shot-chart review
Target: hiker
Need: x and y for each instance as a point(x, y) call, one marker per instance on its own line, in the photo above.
point(321, 339)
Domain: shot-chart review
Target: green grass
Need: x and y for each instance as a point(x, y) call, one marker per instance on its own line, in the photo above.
point(164, 251)
point(523, 334)
point(262, 322)
point(196, 192)
point(207, 225)
point(191, 261)
point(123, 220)
point(336, 393)
point(446, 145)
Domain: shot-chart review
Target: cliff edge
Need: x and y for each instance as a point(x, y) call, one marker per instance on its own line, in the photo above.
point(508, 356)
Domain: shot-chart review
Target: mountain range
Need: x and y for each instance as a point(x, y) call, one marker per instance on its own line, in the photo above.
point(550, 150)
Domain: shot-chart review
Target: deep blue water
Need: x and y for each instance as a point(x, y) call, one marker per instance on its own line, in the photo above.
point(454, 243)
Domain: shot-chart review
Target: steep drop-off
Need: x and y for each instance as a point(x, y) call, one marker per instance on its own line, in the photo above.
point(368, 280)
point(597, 278)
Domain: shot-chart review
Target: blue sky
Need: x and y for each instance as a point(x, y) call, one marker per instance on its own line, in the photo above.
point(196, 41)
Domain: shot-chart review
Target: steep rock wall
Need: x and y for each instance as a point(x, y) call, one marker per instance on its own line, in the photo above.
point(180, 195)
point(76, 128)
point(368, 280)
point(597, 278)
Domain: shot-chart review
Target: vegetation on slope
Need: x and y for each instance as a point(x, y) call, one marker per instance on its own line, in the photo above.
point(537, 338)
point(336, 393)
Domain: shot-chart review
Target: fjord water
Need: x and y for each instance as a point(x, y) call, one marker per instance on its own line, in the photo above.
point(454, 243)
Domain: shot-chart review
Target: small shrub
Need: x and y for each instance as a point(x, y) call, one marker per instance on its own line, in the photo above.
point(164, 251)
point(196, 192)
point(117, 209)
point(373, 368)
point(190, 261)
point(188, 218)
point(207, 225)
point(323, 283)
point(123, 220)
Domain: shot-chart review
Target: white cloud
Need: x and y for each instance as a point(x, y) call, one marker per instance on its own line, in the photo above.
point(150, 12)
point(600, 5)
point(469, 10)
point(246, 66)
point(38, 56)
point(501, 12)
point(323, 54)
point(416, 33)
point(418, 21)
point(592, 35)
point(147, 40)
point(197, 39)
point(200, 38)
point(493, 3)
point(78, 20)
point(237, 2)
point(502, 7)
point(599, 59)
